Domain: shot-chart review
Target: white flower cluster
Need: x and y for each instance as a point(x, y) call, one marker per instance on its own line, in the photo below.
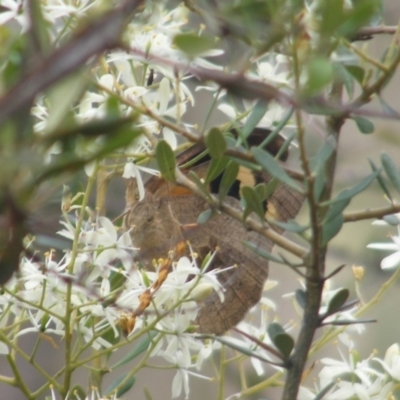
point(352, 378)
point(80, 288)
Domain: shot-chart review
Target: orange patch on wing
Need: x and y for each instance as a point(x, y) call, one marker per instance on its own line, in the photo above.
point(179, 191)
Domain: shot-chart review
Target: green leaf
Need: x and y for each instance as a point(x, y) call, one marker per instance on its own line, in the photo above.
point(192, 44)
point(320, 74)
point(269, 164)
point(357, 17)
point(116, 280)
point(284, 343)
point(274, 329)
point(140, 347)
point(61, 97)
point(391, 170)
point(263, 253)
point(215, 168)
point(357, 72)
point(270, 188)
point(319, 184)
point(262, 191)
point(341, 74)
point(256, 114)
point(228, 178)
point(123, 389)
point(253, 202)
point(363, 124)
point(301, 296)
point(380, 180)
point(348, 194)
point(331, 14)
point(337, 301)
point(166, 160)
point(216, 143)
point(335, 209)
point(285, 146)
point(205, 216)
point(331, 229)
point(323, 153)
point(39, 28)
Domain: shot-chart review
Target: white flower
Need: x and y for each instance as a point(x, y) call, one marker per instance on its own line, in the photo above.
point(392, 261)
point(16, 11)
point(391, 362)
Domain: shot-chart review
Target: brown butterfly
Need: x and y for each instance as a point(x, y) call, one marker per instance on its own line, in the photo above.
point(158, 223)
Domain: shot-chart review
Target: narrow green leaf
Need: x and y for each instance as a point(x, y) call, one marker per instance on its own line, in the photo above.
point(142, 345)
point(121, 390)
point(337, 301)
point(274, 329)
point(112, 106)
point(270, 188)
point(215, 168)
point(357, 17)
point(391, 170)
point(253, 202)
point(350, 193)
point(216, 143)
point(335, 209)
point(192, 44)
point(284, 343)
point(263, 253)
point(323, 153)
point(228, 178)
point(261, 190)
point(285, 146)
point(380, 180)
point(39, 28)
point(363, 124)
point(331, 229)
point(166, 160)
point(269, 164)
point(256, 114)
point(341, 74)
point(300, 295)
point(204, 216)
point(61, 97)
point(356, 71)
point(319, 184)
